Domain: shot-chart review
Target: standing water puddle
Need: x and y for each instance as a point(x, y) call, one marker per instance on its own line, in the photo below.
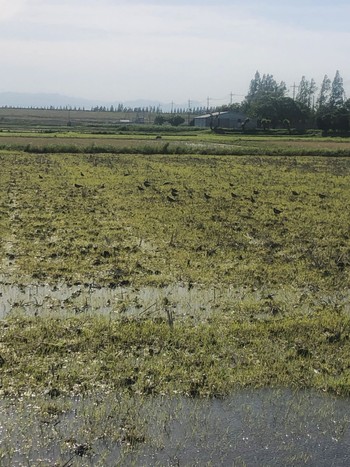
point(251, 427)
point(194, 301)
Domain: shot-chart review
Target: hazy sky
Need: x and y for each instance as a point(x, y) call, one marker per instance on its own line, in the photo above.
point(169, 50)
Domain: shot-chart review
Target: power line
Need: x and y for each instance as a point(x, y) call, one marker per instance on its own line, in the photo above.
point(232, 94)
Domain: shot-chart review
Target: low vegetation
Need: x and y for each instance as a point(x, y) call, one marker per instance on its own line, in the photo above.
point(90, 353)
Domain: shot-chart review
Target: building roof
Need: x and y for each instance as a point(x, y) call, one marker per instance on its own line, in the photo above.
point(227, 113)
point(213, 114)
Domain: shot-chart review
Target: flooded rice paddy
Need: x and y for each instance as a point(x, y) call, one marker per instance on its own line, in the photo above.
point(106, 392)
point(261, 427)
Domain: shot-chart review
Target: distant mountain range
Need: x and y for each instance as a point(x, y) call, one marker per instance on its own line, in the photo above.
point(17, 99)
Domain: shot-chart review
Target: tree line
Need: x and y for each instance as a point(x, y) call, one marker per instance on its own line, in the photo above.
point(325, 107)
point(118, 108)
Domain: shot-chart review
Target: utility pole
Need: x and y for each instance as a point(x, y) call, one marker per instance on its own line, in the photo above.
point(189, 112)
point(208, 102)
point(69, 118)
point(172, 106)
point(231, 98)
point(294, 88)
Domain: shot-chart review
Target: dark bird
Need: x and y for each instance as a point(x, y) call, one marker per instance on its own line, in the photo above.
point(78, 186)
point(40, 176)
point(234, 195)
point(295, 193)
point(147, 183)
point(277, 211)
point(322, 195)
point(172, 200)
point(207, 196)
point(256, 192)
point(81, 173)
point(174, 192)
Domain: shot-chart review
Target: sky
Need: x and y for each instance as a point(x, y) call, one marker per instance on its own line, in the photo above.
point(169, 50)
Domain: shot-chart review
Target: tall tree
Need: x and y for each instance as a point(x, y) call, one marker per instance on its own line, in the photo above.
point(265, 85)
point(270, 86)
point(337, 97)
point(306, 92)
point(323, 98)
point(254, 87)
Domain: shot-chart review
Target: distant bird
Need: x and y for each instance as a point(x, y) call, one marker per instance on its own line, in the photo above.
point(40, 176)
point(277, 211)
point(295, 193)
point(81, 173)
point(147, 183)
point(322, 195)
point(207, 196)
point(78, 186)
point(174, 192)
point(234, 195)
point(256, 192)
point(172, 200)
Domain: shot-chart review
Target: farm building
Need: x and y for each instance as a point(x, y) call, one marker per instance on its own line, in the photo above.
point(227, 119)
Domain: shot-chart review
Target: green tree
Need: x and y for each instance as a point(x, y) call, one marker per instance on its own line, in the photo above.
point(176, 120)
point(279, 109)
point(306, 92)
point(337, 97)
point(333, 111)
point(336, 119)
point(159, 120)
point(254, 87)
point(264, 86)
point(323, 98)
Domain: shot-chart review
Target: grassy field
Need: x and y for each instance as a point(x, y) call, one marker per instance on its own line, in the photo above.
point(269, 225)
point(153, 220)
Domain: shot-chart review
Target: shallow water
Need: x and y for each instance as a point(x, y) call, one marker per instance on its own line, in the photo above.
point(34, 299)
point(195, 301)
point(251, 427)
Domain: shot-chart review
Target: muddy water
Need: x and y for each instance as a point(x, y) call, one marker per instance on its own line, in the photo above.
point(250, 428)
point(195, 301)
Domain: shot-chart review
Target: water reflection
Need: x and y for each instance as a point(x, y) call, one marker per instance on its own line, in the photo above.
point(251, 427)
